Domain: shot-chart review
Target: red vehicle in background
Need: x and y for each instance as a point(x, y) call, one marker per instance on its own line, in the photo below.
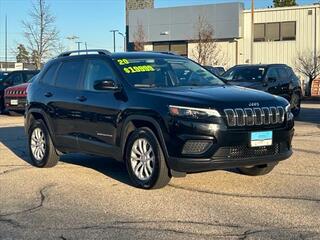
point(15, 98)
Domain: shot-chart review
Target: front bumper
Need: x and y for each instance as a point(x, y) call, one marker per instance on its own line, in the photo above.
point(231, 149)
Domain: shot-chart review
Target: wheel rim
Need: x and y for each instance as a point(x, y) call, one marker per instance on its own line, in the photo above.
point(38, 144)
point(142, 159)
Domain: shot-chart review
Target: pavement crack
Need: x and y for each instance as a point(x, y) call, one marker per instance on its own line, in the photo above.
point(245, 195)
point(43, 197)
point(14, 170)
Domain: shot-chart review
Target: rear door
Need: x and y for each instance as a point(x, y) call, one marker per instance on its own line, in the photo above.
point(62, 102)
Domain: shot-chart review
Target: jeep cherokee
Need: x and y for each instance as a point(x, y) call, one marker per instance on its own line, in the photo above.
point(162, 114)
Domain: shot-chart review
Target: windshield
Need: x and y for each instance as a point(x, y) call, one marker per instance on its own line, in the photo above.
point(245, 74)
point(161, 72)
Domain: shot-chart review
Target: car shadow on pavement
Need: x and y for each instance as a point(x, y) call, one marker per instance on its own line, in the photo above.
point(108, 167)
point(15, 140)
point(309, 115)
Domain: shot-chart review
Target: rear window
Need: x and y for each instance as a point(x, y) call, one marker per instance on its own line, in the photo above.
point(69, 74)
point(245, 74)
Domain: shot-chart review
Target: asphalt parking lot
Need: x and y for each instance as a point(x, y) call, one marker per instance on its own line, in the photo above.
point(87, 197)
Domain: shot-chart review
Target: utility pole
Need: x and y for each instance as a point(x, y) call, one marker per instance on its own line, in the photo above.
point(252, 31)
point(86, 47)
point(114, 39)
point(6, 44)
point(78, 47)
point(124, 41)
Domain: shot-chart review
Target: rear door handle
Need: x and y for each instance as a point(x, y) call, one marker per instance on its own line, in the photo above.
point(81, 98)
point(48, 94)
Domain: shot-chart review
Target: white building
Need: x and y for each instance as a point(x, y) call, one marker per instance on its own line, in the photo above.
point(280, 34)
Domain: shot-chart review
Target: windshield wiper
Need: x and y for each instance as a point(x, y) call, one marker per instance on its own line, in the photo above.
point(145, 85)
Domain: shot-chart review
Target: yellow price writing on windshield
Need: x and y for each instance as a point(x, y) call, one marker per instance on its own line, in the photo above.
point(123, 61)
point(137, 69)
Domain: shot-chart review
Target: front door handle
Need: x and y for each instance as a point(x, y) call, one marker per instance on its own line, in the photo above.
point(81, 98)
point(48, 94)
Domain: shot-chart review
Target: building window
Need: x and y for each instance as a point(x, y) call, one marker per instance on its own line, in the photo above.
point(273, 32)
point(288, 31)
point(277, 31)
point(259, 32)
point(180, 48)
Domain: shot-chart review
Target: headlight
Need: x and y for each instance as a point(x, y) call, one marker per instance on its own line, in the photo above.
point(189, 112)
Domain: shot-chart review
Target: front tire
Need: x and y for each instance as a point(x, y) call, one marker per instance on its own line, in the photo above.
point(145, 160)
point(258, 170)
point(41, 149)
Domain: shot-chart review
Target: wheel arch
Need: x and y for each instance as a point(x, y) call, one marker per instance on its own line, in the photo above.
point(136, 121)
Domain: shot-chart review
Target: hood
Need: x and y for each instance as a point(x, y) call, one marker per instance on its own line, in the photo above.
point(218, 97)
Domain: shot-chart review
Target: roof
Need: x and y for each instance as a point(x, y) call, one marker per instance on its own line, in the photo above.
point(262, 65)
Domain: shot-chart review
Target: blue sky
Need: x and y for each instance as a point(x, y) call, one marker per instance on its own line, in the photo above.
point(91, 20)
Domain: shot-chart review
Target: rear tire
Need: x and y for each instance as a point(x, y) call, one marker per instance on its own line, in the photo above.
point(145, 161)
point(258, 170)
point(41, 149)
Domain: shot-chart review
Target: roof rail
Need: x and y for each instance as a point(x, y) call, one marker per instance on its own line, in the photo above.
point(99, 51)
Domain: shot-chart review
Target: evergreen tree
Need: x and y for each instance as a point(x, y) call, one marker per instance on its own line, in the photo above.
point(22, 54)
point(284, 3)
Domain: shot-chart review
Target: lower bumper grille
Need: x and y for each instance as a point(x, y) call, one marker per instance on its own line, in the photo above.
point(236, 152)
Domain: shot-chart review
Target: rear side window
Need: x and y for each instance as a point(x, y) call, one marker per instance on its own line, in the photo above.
point(69, 74)
point(48, 77)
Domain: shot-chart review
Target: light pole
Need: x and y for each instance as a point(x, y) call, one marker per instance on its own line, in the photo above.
point(124, 41)
point(114, 39)
point(73, 39)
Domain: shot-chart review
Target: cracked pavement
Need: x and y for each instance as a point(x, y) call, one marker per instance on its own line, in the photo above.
point(87, 197)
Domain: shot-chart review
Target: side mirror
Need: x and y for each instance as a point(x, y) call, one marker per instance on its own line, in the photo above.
point(272, 79)
point(106, 84)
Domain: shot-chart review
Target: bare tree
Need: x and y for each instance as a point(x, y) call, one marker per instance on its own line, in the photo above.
point(308, 65)
point(40, 32)
point(207, 51)
point(139, 38)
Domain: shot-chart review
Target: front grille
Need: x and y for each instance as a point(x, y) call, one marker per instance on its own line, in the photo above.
point(254, 116)
point(236, 152)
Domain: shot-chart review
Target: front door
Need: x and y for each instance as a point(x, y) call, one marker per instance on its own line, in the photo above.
point(99, 110)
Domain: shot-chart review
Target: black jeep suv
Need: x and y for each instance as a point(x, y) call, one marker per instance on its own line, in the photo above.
point(163, 115)
point(278, 79)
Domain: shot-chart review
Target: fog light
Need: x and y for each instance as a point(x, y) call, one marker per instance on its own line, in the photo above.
point(196, 146)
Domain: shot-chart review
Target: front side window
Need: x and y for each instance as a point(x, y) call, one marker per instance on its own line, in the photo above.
point(245, 74)
point(69, 74)
point(97, 70)
point(273, 74)
point(162, 72)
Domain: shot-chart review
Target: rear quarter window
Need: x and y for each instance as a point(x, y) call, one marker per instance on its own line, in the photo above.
point(48, 77)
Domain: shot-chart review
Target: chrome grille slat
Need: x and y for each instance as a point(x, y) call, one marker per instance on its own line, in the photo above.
point(254, 116)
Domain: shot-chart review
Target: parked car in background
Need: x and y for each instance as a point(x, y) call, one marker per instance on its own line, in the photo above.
point(3, 75)
point(15, 98)
point(277, 79)
point(12, 79)
point(215, 70)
